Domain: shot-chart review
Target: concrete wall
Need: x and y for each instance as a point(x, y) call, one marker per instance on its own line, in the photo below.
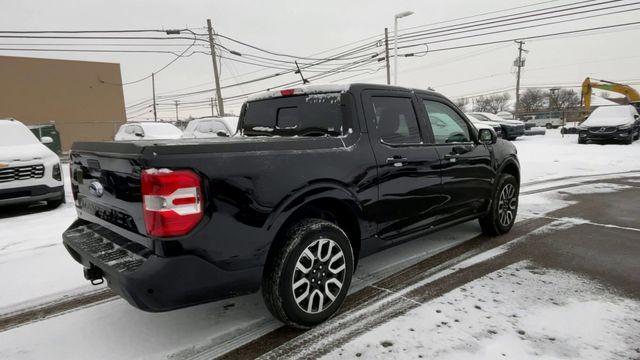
point(83, 98)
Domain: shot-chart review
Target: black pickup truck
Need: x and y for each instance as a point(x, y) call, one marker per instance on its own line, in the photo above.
point(316, 178)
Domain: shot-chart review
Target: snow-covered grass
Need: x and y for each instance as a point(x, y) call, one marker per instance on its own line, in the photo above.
point(519, 312)
point(551, 156)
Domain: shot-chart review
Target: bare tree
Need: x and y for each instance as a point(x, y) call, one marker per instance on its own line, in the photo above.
point(492, 103)
point(532, 100)
point(461, 103)
point(564, 99)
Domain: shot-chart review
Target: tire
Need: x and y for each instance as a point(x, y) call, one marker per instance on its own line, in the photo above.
point(549, 126)
point(511, 138)
point(629, 140)
point(504, 207)
point(581, 141)
point(293, 295)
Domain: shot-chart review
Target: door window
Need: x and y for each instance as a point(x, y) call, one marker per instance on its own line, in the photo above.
point(396, 120)
point(448, 127)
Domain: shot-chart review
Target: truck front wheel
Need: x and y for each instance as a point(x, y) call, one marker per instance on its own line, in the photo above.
point(306, 281)
point(504, 207)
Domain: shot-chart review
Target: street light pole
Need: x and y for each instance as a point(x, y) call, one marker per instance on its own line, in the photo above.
point(395, 43)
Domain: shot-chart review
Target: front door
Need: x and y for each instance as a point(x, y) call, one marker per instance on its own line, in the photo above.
point(408, 175)
point(466, 164)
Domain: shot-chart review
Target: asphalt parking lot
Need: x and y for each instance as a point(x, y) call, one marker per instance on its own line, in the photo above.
point(596, 238)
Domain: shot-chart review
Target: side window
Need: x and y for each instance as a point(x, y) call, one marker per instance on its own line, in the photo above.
point(448, 127)
point(396, 120)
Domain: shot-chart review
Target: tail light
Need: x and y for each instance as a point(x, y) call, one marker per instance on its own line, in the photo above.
point(172, 201)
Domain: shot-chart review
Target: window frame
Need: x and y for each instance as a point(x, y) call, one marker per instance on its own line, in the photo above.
point(473, 132)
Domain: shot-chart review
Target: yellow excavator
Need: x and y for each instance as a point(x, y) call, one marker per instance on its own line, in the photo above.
point(588, 85)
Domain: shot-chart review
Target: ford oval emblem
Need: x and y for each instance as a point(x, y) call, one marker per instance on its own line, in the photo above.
point(96, 189)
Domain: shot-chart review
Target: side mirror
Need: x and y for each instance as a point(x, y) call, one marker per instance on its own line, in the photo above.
point(138, 134)
point(222, 134)
point(487, 136)
point(46, 140)
point(636, 116)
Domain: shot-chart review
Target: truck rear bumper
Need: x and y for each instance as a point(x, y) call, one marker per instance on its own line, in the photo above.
point(150, 282)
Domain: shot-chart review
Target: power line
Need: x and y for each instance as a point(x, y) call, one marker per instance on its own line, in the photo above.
point(155, 72)
point(494, 20)
point(531, 26)
point(529, 37)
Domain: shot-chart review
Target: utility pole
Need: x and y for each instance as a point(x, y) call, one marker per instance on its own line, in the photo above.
point(519, 63)
point(212, 112)
point(153, 88)
point(176, 101)
point(386, 51)
point(215, 68)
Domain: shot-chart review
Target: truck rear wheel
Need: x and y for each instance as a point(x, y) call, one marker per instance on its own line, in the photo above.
point(504, 207)
point(306, 281)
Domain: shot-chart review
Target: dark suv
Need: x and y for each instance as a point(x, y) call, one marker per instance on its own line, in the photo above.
point(320, 177)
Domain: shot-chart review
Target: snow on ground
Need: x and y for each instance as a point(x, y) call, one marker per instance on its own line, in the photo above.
point(536, 205)
point(34, 266)
point(519, 312)
point(552, 156)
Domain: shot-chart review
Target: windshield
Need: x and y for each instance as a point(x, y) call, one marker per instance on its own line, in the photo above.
point(304, 115)
point(13, 133)
point(205, 126)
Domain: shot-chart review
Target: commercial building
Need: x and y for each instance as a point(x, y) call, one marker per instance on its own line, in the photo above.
point(84, 99)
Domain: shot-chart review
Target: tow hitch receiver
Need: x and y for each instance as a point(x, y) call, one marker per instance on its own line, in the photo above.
point(93, 274)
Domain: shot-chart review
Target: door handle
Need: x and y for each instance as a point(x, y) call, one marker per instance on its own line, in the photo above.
point(451, 157)
point(397, 161)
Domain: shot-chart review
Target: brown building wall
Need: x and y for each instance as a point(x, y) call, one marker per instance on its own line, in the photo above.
point(71, 93)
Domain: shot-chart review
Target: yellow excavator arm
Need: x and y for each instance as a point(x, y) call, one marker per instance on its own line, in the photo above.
point(588, 85)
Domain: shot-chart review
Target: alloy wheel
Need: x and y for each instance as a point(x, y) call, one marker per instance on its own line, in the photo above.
point(318, 276)
point(507, 205)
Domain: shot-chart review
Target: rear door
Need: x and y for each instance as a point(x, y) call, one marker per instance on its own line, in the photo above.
point(408, 175)
point(466, 165)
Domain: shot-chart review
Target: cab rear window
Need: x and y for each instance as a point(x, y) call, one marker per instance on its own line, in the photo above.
point(302, 115)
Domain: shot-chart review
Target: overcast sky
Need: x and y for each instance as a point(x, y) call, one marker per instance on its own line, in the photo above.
point(303, 28)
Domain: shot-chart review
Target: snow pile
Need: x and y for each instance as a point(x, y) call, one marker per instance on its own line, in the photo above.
point(519, 312)
point(552, 156)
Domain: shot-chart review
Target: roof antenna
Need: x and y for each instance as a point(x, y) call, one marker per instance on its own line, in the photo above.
point(304, 81)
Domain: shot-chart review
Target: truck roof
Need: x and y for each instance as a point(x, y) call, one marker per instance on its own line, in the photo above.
point(329, 88)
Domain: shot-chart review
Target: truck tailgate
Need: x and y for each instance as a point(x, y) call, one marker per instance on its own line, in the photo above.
point(106, 187)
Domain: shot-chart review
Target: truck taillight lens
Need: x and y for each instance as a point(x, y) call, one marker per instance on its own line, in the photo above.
point(172, 201)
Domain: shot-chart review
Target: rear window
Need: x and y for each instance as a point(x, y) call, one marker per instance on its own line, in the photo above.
point(303, 115)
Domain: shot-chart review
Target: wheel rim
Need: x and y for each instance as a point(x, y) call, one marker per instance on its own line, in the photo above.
point(507, 205)
point(318, 276)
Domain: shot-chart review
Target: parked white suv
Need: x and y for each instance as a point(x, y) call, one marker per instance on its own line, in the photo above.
point(147, 131)
point(29, 171)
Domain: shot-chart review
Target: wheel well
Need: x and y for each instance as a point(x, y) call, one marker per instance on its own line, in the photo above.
point(330, 209)
point(512, 169)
